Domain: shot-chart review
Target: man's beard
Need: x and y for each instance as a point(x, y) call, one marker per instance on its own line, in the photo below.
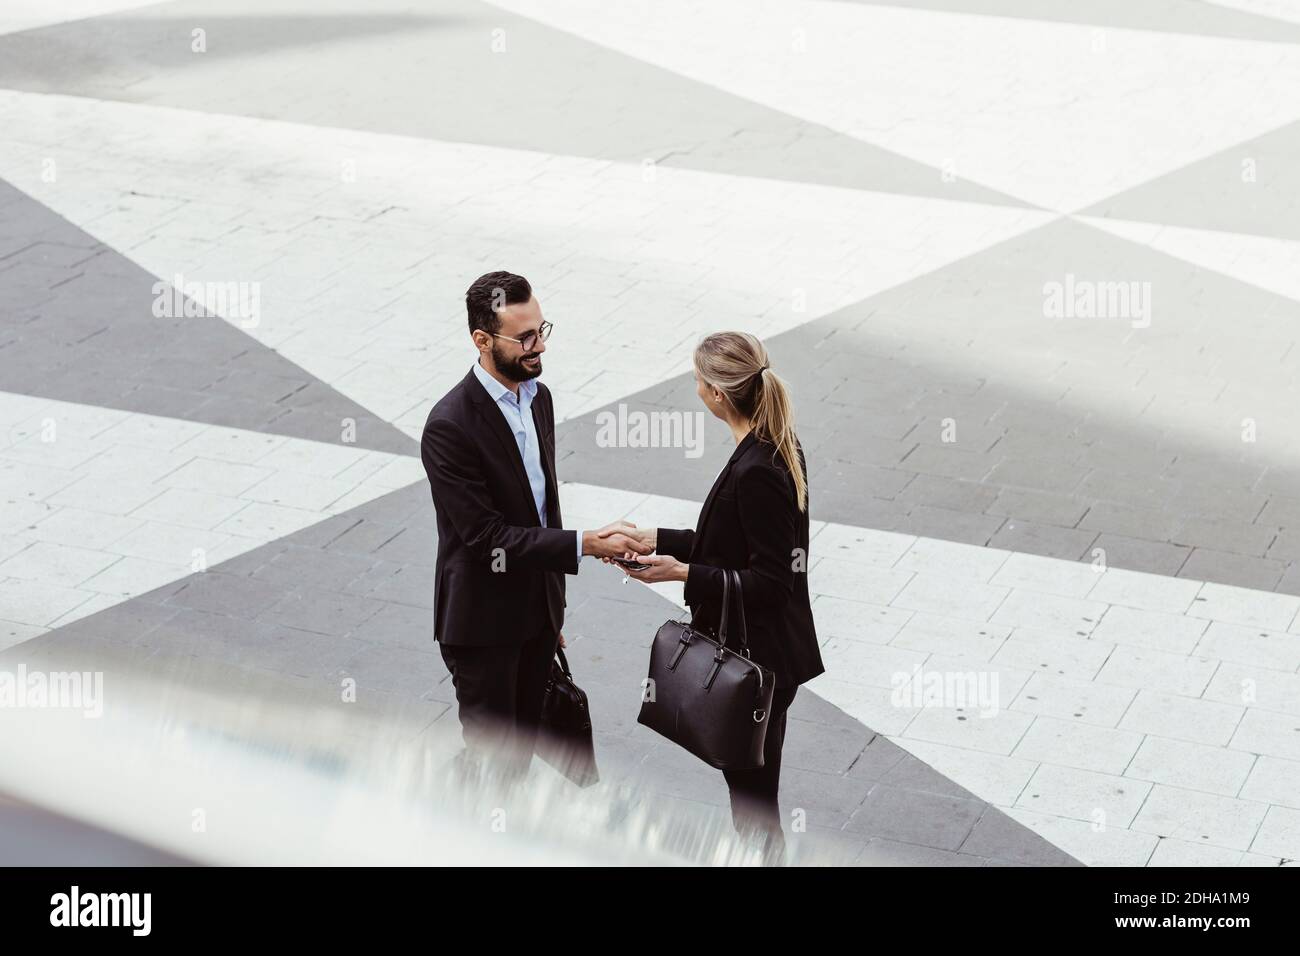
point(514, 368)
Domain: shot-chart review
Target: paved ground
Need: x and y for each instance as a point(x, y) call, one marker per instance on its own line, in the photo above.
point(350, 597)
point(1098, 510)
point(30, 836)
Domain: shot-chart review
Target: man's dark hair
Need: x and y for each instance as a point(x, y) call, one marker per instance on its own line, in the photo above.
point(493, 291)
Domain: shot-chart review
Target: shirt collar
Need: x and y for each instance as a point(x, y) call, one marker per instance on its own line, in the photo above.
point(498, 391)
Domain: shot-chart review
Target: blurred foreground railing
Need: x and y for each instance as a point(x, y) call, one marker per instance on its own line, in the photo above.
point(256, 771)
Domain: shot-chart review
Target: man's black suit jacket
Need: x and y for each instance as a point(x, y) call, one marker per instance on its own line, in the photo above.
point(751, 523)
point(500, 574)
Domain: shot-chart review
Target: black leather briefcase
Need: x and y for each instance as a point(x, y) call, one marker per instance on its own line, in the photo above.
point(705, 696)
point(564, 739)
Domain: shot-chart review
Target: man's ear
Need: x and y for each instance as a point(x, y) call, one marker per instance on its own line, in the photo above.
point(481, 339)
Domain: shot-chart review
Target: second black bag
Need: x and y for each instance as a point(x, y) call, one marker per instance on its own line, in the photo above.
point(564, 739)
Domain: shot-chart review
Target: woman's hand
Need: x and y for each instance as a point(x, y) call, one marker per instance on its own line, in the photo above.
point(661, 568)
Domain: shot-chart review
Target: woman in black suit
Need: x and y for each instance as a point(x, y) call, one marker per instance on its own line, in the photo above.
point(754, 521)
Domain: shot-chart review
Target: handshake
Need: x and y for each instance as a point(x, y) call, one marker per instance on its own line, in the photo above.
point(624, 541)
point(619, 539)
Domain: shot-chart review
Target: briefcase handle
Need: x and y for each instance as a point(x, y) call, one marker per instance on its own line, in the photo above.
point(727, 577)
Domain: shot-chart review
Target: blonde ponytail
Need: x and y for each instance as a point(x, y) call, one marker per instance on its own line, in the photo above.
point(736, 364)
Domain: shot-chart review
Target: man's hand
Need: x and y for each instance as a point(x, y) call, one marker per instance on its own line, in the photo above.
point(612, 544)
point(563, 642)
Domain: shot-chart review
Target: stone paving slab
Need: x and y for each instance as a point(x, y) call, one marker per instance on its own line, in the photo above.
point(1166, 16)
point(79, 326)
point(361, 278)
point(1112, 710)
point(1057, 457)
point(101, 504)
point(530, 83)
point(1251, 187)
point(1057, 113)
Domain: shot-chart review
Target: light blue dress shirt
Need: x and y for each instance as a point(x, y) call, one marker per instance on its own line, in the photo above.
point(518, 413)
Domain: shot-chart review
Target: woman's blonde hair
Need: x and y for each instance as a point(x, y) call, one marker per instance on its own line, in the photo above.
point(736, 364)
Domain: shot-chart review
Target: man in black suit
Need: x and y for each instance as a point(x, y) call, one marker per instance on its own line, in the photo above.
point(489, 452)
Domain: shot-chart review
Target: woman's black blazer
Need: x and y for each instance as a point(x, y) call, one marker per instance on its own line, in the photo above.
point(751, 523)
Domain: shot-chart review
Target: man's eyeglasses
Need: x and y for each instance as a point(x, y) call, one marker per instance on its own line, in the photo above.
point(529, 339)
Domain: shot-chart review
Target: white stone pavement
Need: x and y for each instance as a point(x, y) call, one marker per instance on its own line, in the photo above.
point(1278, 9)
point(102, 505)
point(1131, 719)
point(1105, 108)
point(359, 244)
point(1263, 261)
point(640, 261)
point(30, 14)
